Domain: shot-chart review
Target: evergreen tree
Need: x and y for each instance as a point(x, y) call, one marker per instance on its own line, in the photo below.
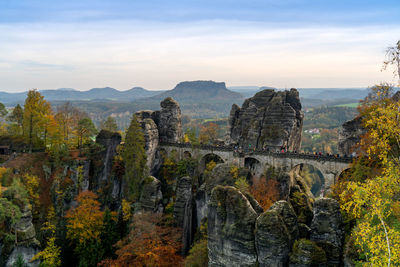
point(134, 157)
point(85, 129)
point(110, 124)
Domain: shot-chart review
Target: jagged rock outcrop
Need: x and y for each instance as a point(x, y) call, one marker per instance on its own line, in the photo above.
point(151, 195)
point(151, 137)
point(183, 195)
point(268, 119)
point(220, 175)
point(27, 244)
point(306, 253)
point(231, 222)
point(162, 125)
point(350, 135)
point(109, 141)
point(289, 217)
point(276, 231)
point(170, 124)
point(183, 211)
point(327, 229)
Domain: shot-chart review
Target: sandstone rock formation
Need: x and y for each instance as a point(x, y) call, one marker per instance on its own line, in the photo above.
point(109, 141)
point(183, 195)
point(170, 124)
point(276, 231)
point(151, 195)
point(327, 229)
point(151, 137)
point(272, 240)
point(268, 119)
point(163, 125)
point(350, 135)
point(27, 245)
point(183, 211)
point(231, 222)
point(220, 175)
point(306, 253)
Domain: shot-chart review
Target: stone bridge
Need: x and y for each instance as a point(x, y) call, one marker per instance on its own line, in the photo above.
point(258, 161)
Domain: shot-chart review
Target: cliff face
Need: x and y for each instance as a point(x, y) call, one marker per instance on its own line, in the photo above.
point(268, 119)
point(170, 124)
point(350, 135)
point(162, 125)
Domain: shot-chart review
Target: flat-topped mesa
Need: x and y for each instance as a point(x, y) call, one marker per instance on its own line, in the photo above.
point(270, 119)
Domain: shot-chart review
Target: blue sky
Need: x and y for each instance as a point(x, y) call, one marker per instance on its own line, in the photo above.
point(156, 44)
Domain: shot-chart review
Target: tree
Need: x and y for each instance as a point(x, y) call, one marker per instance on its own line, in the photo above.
point(370, 200)
point(17, 117)
point(35, 110)
point(85, 130)
point(110, 124)
point(208, 132)
point(84, 227)
point(265, 191)
point(393, 59)
point(190, 136)
point(151, 242)
point(3, 110)
point(134, 157)
point(50, 255)
point(68, 118)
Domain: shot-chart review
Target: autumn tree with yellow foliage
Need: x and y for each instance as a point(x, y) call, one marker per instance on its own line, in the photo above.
point(372, 202)
point(36, 112)
point(84, 227)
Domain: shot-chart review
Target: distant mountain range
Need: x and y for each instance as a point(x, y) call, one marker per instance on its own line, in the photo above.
point(186, 92)
point(69, 94)
point(198, 99)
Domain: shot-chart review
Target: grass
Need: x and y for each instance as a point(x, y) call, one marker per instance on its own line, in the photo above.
point(349, 105)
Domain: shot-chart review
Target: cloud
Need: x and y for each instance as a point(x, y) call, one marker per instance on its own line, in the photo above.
point(126, 53)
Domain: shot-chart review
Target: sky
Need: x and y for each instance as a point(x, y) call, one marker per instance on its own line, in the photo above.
point(156, 44)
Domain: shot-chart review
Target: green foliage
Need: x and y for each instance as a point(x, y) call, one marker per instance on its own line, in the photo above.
point(17, 194)
point(36, 110)
point(85, 130)
point(134, 157)
point(191, 136)
point(198, 255)
point(242, 184)
point(109, 124)
point(20, 262)
point(110, 234)
point(327, 117)
point(3, 110)
point(302, 248)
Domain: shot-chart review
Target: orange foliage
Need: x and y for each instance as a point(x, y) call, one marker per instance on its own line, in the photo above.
point(150, 243)
point(265, 191)
point(208, 133)
point(85, 222)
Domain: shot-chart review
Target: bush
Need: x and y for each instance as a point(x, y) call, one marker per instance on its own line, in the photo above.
point(198, 255)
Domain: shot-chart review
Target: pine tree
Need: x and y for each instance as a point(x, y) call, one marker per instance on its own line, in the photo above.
point(134, 157)
point(109, 124)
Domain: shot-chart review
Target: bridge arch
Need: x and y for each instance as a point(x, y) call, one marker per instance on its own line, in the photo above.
point(254, 165)
point(312, 176)
point(343, 174)
point(207, 158)
point(187, 154)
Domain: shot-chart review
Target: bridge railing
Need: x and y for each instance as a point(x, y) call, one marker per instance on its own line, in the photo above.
point(244, 153)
